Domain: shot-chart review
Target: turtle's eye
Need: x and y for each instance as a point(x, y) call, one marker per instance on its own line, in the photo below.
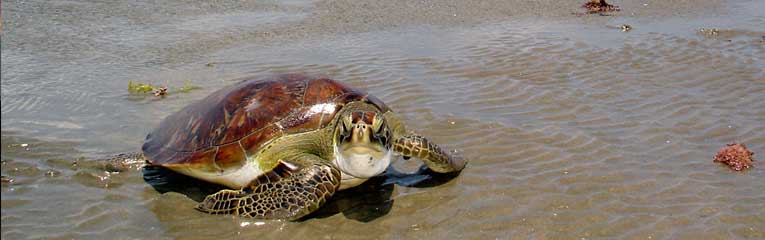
point(377, 124)
point(347, 127)
point(347, 123)
point(384, 136)
point(381, 131)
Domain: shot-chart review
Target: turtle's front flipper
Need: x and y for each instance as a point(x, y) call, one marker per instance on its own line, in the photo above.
point(293, 189)
point(437, 160)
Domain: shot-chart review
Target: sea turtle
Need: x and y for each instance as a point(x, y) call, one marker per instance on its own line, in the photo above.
point(285, 144)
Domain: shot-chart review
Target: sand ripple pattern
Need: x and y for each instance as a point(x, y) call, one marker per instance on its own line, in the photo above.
point(566, 140)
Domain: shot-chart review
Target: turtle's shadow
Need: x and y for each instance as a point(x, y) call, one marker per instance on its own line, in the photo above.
point(364, 203)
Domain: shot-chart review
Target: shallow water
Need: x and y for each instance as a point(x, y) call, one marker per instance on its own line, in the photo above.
point(573, 128)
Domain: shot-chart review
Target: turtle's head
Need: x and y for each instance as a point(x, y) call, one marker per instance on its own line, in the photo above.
point(363, 144)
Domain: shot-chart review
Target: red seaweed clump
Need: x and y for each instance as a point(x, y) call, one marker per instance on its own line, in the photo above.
point(599, 6)
point(736, 156)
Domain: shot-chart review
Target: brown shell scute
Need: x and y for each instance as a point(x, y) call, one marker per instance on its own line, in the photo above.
point(254, 108)
point(229, 157)
point(252, 142)
point(224, 128)
point(325, 90)
point(320, 105)
point(225, 116)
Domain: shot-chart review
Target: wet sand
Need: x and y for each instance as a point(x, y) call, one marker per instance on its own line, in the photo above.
point(574, 128)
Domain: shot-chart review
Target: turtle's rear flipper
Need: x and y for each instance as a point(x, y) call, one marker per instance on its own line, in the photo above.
point(117, 163)
point(291, 190)
point(437, 159)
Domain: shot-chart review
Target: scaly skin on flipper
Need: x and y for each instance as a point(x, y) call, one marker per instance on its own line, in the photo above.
point(413, 145)
point(437, 159)
point(292, 190)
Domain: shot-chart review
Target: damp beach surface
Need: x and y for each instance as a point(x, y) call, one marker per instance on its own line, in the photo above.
point(575, 129)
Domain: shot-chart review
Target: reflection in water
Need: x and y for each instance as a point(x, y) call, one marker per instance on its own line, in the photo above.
point(364, 203)
point(165, 180)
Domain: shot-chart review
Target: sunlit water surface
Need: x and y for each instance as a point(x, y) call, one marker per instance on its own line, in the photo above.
point(573, 129)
